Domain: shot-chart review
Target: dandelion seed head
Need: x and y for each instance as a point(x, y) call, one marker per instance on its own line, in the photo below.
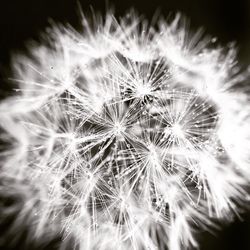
point(126, 135)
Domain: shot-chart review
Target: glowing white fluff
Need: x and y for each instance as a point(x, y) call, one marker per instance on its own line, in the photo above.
point(121, 136)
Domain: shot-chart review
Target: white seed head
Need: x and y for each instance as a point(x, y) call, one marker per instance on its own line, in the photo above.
point(123, 134)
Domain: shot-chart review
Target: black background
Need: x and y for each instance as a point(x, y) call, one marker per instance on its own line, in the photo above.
point(22, 20)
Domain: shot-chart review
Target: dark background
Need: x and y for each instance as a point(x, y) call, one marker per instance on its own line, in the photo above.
point(22, 20)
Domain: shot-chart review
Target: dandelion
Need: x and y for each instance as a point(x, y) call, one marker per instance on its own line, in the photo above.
point(125, 136)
